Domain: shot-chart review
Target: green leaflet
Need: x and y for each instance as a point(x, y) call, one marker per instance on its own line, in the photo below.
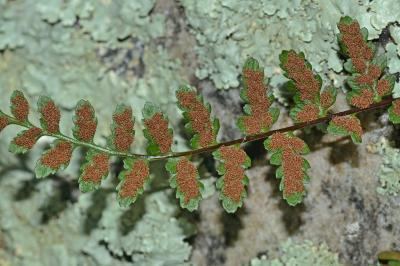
point(184, 178)
point(4, 122)
point(93, 171)
point(49, 115)
point(346, 126)
point(286, 152)
point(364, 64)
point(310, 102)
point(232, 162)
point(25, 140)
point(328, 97)
point(157, 131)
point(197, 116)
point(394, 112)
point(55, 159)
point(133, 180)
point(122, 128)
point(19, 106)
point(85, 121)
point(258, 115)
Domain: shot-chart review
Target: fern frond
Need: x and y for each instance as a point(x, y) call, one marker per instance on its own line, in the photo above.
point(368, 83)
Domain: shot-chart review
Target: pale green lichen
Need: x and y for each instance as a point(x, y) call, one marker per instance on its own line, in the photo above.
point(228, 31)
point(105, 21)
point(389, 174)
point(393, 55)
point(63, 50)
point(39, 226)
point(300, 254)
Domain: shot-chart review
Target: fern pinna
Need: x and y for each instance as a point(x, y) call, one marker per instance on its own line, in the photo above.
point(370, 88)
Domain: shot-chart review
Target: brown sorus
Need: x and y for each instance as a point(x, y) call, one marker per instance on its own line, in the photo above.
point(365, 99)
point(85, 122)
point(368, 78)
point(158, 129)
point(310, 112)
point(3, 122)
point(292, 165)
point(51, 115)
point(307, 85)
point(383, 87)
point(396, 107)
point(281, 141)
point(28, 138)
point(326, 99)
point(124, 130)
point(256, 93)
point(357, 49)
point(20, 107)
point(186, 178)
point(96, 169)
point(59, 155)
point(198, 116)
point(349, 123)
point(233, 159)
point(135, 179)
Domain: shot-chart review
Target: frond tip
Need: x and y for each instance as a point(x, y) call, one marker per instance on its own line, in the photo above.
point(232, 162)
point(286, 152)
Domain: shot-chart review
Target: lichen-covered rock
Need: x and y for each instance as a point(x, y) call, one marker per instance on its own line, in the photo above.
point(228, 31)
point(389, 174)
point(299, 254)
point(42, 223)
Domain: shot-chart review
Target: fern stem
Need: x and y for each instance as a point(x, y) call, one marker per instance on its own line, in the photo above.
point(75, 141)
point(384, 103)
